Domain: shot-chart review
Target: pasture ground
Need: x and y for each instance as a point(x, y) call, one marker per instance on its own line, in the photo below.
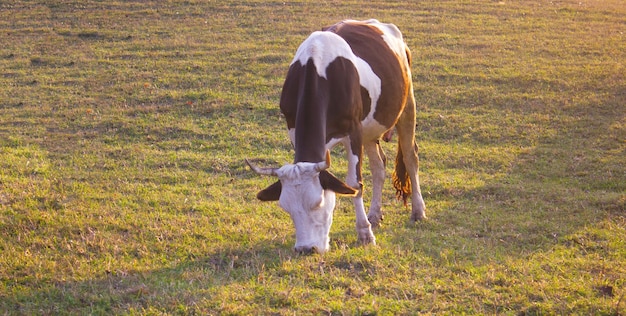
point(123, 190)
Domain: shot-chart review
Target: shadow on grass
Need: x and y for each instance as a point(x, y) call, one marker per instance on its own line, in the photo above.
point(567, 181)
point(120, 137)
point(177, 287)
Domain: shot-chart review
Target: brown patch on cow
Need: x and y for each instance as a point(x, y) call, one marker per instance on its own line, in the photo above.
point(289, 94)
point(367, 103)
point(344, 101)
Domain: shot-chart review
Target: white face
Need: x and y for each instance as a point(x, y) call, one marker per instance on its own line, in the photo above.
point(309, 205)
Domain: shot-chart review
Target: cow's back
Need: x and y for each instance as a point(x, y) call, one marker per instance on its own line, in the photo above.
point(381, 46)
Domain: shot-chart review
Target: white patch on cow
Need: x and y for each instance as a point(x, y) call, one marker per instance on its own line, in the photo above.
point(371, 82)
point(323, 48)
point(393, 37)
point(309, 205)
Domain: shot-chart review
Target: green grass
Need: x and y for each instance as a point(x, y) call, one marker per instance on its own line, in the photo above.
point(123, 188)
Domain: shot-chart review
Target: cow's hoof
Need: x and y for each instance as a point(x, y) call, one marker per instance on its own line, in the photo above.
point(415, 216)
point(375, 220)
point(306, 250)
point(367, 238)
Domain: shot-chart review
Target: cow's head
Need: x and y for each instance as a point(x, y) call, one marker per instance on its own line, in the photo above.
point(307, 192)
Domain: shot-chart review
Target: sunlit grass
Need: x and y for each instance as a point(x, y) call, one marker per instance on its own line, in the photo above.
point(123, 188)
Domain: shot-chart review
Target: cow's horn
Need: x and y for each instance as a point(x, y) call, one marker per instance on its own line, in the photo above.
point(324, 164)
point(263, 171)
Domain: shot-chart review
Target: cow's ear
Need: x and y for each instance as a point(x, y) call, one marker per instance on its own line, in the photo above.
point(271, 193)
point(330, 182)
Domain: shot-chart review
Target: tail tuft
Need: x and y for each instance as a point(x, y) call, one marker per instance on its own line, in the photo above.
point(400, 178)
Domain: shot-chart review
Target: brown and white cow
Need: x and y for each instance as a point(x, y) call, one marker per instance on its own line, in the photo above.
point(349, 84)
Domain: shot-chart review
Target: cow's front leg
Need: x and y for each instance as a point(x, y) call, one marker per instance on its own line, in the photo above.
point(377, 167)
point(354, 179)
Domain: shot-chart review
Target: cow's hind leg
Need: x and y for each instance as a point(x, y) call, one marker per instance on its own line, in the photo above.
point(354, 179)
point(408, 152)
point(377, 166)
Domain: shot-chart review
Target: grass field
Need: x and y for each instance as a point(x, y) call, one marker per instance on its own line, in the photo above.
point(123, 189)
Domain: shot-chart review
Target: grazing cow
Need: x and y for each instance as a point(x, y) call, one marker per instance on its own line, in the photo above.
point(349, 84)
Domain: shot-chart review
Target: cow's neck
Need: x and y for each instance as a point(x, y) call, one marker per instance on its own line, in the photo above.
point(311, 117)
point(310, 140)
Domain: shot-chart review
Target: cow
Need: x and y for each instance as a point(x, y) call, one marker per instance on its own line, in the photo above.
point(348, 84)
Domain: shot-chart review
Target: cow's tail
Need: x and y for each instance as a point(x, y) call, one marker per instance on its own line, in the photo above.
point(400, 178)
